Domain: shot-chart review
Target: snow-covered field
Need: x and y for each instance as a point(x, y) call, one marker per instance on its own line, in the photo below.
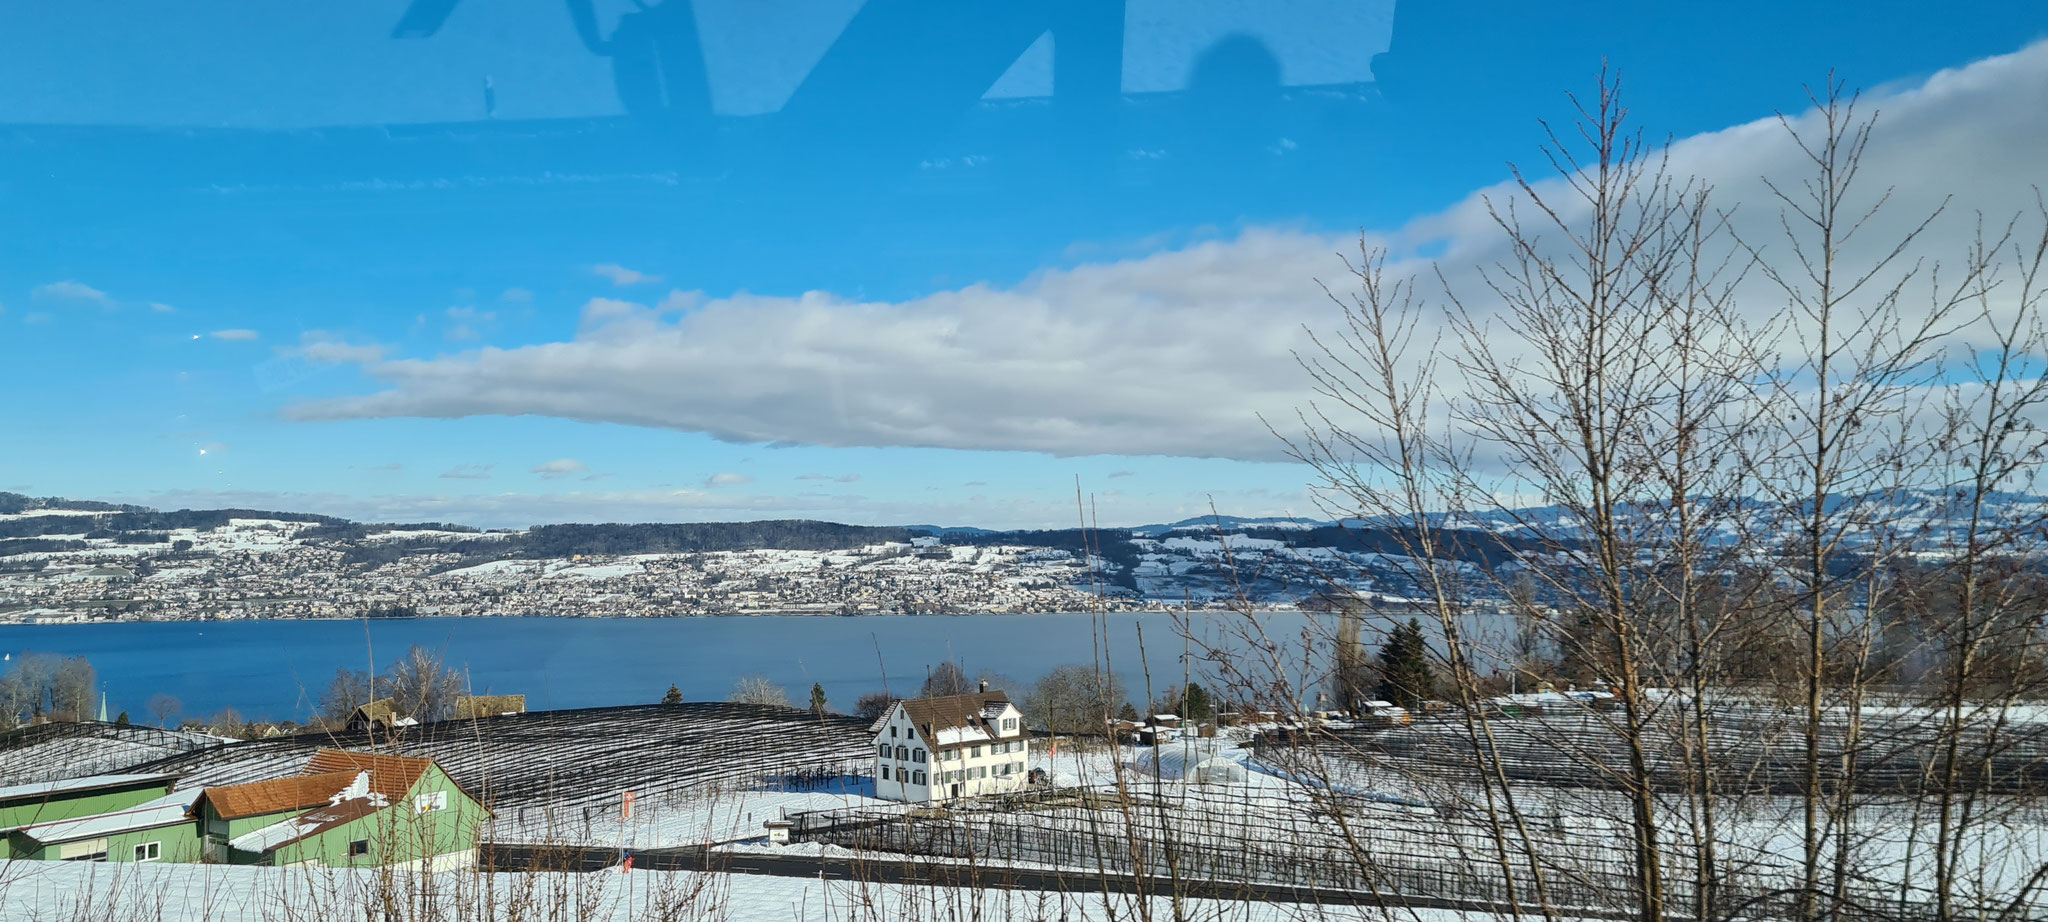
point(92, 892)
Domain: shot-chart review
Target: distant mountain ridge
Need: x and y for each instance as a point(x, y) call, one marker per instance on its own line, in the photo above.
point(47, 544)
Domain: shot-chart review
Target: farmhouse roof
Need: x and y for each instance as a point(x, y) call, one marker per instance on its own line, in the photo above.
point(328, 774)
point(471, 706)
point(974, 712)
point(235, 801)
point(391, 776)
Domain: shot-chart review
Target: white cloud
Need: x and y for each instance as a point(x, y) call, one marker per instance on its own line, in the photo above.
point(516, 296)
point(1174, 353)
point(72, 291)
point(620, 275)
point(324, 347)
point(727, 480)
point(162, 308)
point(518, 510)
point(560, 467)
point(842, 478)
point(235, 335)
point(468, 472)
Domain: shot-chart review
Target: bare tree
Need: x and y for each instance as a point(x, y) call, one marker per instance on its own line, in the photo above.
point(1074, 699)
point(871, 705)
point(424, 686)
point(1693, 498)
point(946, 679)
point(350, 689)
point(72, 686)
point(164, 708)
point(756, 689)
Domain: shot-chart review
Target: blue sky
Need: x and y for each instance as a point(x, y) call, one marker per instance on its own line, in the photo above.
point(871, 267)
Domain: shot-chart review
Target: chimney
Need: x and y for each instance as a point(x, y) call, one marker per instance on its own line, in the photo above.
point(984, 686)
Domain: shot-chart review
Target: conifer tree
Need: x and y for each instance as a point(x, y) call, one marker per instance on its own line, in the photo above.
point(674, 696)
point(1405, 676)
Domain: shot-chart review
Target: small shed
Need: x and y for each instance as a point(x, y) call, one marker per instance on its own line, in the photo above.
point(471, 707)
point(381, 714)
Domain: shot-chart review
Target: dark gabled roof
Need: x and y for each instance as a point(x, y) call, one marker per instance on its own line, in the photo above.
point(382, 710)
point(971, 711)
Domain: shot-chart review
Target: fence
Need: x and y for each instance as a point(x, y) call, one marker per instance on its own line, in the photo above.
point(1245, 836)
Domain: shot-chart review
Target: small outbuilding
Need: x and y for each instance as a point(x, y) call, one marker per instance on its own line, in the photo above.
point(381, 714)
point(471, 707)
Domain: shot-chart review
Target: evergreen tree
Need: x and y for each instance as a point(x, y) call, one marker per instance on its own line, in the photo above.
point(1127, 712)
point(1405, 676)
point(817, 698)
point(1195, 703)
point(122, 720)
point(674, 696)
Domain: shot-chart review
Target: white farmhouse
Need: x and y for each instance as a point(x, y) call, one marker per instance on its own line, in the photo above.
point(955, 746)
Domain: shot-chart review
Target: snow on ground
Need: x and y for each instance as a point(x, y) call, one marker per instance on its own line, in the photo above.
point(1214, 547)
point(600, 571)
point(690, 819)
point(63, 891)
point(496, 569)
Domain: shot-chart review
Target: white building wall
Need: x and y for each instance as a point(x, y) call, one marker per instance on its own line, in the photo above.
point(1004, 764)
point(908, 757)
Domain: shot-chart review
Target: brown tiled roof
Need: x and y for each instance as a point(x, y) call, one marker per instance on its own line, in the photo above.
point(969, 711)
point(391, 776)
point(468, 706)
point(278, 795)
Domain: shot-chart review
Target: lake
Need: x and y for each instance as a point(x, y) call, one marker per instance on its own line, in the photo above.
point(276, 670)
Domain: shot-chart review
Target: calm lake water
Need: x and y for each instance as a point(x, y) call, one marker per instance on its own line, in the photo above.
point(276, 670)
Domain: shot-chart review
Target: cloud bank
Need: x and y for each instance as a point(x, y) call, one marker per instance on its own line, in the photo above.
point(1176, 353)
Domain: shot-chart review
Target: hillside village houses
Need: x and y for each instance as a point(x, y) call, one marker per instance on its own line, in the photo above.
point(935, 749)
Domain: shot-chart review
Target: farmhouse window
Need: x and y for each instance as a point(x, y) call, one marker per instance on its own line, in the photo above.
point(885, 773)
point(892, 732)
point(884, 753)
point(1009, 725)
point(917, 777)
point(976, 753)
point(358, 847)
point(916, 755)
point(149, 851)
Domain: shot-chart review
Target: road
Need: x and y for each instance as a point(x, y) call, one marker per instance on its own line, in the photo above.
point(933, 873)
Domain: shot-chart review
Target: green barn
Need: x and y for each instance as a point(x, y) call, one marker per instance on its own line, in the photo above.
point(49, 801)
point(157, 830)
point(347, 809)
